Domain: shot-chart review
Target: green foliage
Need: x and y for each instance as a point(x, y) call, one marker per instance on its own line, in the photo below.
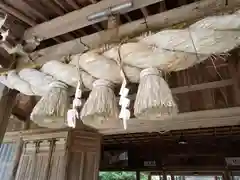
point(121, 175)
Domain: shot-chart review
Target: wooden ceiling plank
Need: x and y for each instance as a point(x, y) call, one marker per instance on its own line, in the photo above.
point(162, 6)
point(144, 11)
point(77, 19)
point(97, 27)
point(182, 2)
point(74, 4)
point(58, 2)
point(35, 11)
point(17, 14)
point(127, 17)
point(165, 19)
point(93, 1)
point(54, 6)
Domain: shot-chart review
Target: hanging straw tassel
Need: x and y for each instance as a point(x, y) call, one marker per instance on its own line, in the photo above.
point(52, 108)
point(154, 98)
point(100, 109)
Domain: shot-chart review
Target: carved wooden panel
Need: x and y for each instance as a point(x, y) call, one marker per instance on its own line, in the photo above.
point(84, 156)
point(26, 164)
point(58, 160)
point(41, 161)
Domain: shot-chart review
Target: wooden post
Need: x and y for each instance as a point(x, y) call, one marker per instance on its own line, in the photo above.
point(164, 175)
point(6, 104)
point(138, 177)
point(149, 176)
point(84, 155)
point(234, 69)
point(226, 175)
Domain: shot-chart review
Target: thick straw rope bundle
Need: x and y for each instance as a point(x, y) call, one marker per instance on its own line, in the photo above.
point(100, 110)
point(69, 74)
point(168, 50)
point(51, 110)
point(153, 92)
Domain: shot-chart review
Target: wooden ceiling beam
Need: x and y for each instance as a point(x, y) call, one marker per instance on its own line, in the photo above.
point(186, 13)
point(77, 19)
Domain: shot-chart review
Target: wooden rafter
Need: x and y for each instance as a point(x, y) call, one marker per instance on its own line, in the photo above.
point(165, 19)
point(76, 19)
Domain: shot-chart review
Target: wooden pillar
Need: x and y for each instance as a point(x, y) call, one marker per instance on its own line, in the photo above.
point(6, 104)
point(138, 177)
point(84, 155)
point(164, 176)
point(149, 176)
point(234, 69)
point(226, 175)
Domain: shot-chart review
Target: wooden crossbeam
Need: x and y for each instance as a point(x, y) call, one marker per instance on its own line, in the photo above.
point(190, 120)
point(198, 87)
point(165, 19)
point(78, 19)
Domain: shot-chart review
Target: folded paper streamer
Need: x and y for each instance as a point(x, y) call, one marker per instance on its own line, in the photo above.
point(74, 114)
point(124, 102)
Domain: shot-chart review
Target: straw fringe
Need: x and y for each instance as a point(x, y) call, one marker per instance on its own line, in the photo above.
point(100, 109)
point(154, 98)
point(52, 108)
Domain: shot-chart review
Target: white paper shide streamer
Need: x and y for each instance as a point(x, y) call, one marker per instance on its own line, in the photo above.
point(124, 102)
point(74, 114)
